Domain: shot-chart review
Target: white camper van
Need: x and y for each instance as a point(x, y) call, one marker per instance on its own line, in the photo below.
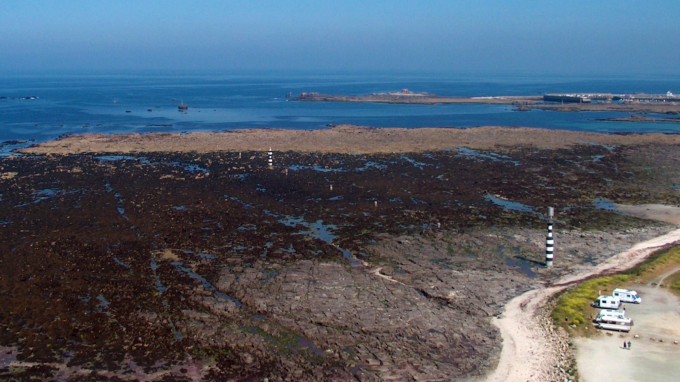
point(613, 317)
point(607, 302)
point(627, 295)
point(613, 320)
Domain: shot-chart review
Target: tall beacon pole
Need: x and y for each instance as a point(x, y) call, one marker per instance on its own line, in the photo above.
point(549, 240)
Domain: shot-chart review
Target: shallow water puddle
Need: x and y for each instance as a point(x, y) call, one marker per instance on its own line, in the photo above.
point(103, 302)
point(45, 194)
point(315, 168)
point(119, 201)
point(178, 265)
point(158, 284)
point(239, 201)
point(604, 204)
point(119, 262)
point(494, 157)
point(115, 158)
point(321, 231)
point(317, 230)
point(509, 205)
point(525, 266)
point(202, 255)
point(191, 168)
point(414, 162)
point(371, 164)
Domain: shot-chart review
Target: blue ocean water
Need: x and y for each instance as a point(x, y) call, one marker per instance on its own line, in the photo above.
point(68, 104)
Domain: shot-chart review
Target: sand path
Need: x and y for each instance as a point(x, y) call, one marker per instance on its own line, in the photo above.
point(529, 352)
point(659, 281)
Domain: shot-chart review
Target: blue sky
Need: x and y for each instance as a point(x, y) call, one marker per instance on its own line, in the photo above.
point(567, 36)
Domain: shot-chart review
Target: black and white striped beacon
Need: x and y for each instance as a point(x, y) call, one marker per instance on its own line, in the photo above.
point(549, 240)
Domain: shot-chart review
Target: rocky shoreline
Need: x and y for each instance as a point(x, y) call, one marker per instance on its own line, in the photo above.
point(522, 103)
point(408, 97)
point(344, 260)
point(641, 118)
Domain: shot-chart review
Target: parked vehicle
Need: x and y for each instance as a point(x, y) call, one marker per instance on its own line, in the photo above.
point(627, 295)
point(613, 320)
point(616, 327)
point(607, 302)
point(613, 317)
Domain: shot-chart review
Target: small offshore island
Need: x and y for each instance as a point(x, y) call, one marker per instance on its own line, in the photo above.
point(358, 254)
point(640, 103)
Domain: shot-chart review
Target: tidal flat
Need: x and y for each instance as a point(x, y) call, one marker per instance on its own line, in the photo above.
point(332, 264)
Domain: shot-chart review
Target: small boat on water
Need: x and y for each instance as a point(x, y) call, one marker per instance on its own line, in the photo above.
point(182, 106)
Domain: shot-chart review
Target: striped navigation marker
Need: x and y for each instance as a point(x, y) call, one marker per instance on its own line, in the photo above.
point(269, 159)
point(549, 240)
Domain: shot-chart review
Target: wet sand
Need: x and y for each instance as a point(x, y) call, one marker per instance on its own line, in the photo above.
point(668, 214)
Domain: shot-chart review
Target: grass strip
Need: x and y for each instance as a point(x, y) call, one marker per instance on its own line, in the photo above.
point(573, 308)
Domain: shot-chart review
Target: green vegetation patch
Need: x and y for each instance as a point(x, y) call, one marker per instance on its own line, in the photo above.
point(573, 307)
point(673, 283)
point(658, 262)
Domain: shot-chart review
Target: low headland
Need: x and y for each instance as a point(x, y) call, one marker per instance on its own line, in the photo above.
point(358, 254)
point(641, 118)
point(635, 103)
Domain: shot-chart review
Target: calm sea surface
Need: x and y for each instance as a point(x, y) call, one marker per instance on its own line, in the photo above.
point(70, 104)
